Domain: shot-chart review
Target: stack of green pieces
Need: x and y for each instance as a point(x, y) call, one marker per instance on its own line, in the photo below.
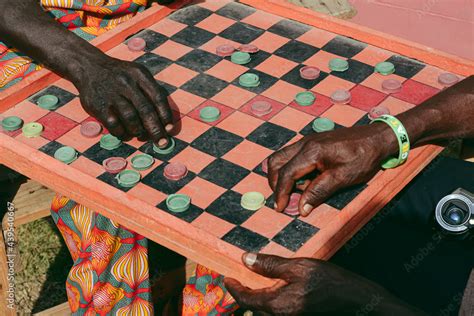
point(305, 98)
point(249, 80)
point(167, 150)
point(110, 142)
point(252, 201)
point(385, 68)
point(33, 129)
point(322, 124)
point(178, 203)
point(338, 64)
point(66, 154)
point(128, 178)
point(12, 123)
point(142, 162)
point(209, 114)
point(48, 102)
point(240, 58)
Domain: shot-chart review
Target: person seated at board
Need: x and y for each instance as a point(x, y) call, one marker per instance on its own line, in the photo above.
point(110, 261)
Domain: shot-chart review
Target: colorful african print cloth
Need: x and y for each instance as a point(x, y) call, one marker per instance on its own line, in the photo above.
point(86, 18)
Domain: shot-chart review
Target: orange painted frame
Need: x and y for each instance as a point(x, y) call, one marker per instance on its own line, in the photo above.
point(167, 229)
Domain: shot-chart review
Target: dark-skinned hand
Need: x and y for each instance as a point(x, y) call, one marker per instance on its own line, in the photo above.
point(126, 99)
point(312, 287)
point(339, 159)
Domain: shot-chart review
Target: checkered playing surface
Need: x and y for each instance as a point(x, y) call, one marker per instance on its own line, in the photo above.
point(224, 157)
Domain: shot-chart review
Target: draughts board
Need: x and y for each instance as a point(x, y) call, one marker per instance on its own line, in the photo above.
point(224, 157)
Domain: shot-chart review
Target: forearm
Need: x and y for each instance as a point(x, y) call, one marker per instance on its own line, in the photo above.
point(25, 26)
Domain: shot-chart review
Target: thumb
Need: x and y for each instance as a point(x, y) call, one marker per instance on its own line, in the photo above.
point(268, 265)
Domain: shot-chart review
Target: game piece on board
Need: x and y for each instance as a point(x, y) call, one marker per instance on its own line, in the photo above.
point(252, 201)
point(110, 142)
point(447, 79)
point(385, 68)
point(178, 203)
point(240, 58)
point(136, 44)
point(249, 80)
point(305, 98)
point(209, 114)
point(292, 208)
point(48, 102)
point(167, 150)
point(322, 124)
point(114, 165)
point(175, 171)
point(33, 129)
point(341, 96)
point(248, 48)
point(128, 178)
point(66, 154)
point(261, 108)
point(225, 50)
point(142, 162)
point(378, 111)
point(391, 85)
point(265, 165)
point(91, 129)
point(12, 123)
point(309, 72)
point(338, 64)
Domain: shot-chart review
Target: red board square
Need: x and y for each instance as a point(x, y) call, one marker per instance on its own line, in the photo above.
point(55, 125)
point(366, 98)
point(254, 182)
point(415, 92)
point(172, 50)
point(202, 192)
point(88, 166)
point(292, 119)
point(212, 224)
point(73, 110)
point(276, 66)
point(76, 140)
point(122, 52)
point(277, 250)
point(225, 112)
point(27, 111)
point(276, 107)
point(372, 55)
point(321, 216)
point(34, 142)
point(240, 124)
point(247, 154)
point(194, 159)
point(176, 75)
point(344, 115)
point(316, 37)
point(262, 19)
point(396, 106)
point(270, 42)
point(267, 222)
point(147, 194)
point(191, 129)
point(226, 70)
point(184, 102)
point(67, 85)
point(214, 5)
point(167, 27)
point(283, 91)
point(321, 104)
point(331, 83)
point(215, 23)
point(233, 96)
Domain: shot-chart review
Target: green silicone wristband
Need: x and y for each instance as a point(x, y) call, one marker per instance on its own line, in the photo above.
point(403, 141)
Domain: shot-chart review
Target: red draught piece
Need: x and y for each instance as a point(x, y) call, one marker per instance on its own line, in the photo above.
point(114, 164)
point(175, 171)
point(261, 108)
point(292, 208)
point(136, 44)
point(378, 111)
point(91, 129)
point(391, 85)
point(341, 96)
point(265, 166)
point(310, 73)
point(248, 48)
point(447, 79)
point(225, 50)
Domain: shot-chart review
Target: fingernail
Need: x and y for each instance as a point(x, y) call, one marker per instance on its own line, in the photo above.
point(250, 258)
point(275, 206)
point(162, 142)
point(307, 208)
point(169, 127)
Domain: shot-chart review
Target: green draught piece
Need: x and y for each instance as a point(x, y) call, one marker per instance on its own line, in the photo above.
point(142, 162)
point(240, 58)
point(338, 64)
point(48, 102)
point(66, 154)
point(252, 201)
point(305, 98)
point(128, 178)
point(110, 142)
point(249, 80)
point(385, 68)
point(209, 114)
point(12, 123)
point(322, 124)
point(178, 203)
point(33, 129)
point(167, 150)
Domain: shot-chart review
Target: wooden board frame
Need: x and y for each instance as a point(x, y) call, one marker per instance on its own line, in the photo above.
point(175, 234)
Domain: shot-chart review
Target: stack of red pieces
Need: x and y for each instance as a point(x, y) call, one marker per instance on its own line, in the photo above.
point(292, 208)
point(114, 164)
point(309, 72)
point(261, 108)
point(91, 129)
point(248, 48)
point(136, 44)
point(175, 171)
point(225, 50)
